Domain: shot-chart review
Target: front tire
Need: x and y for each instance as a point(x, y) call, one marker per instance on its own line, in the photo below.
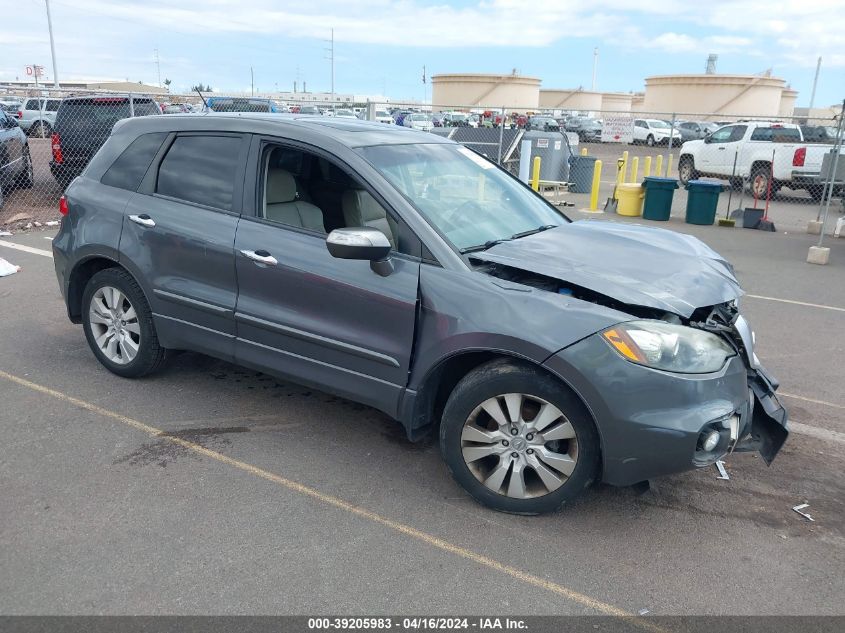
point(119, 326)
point(649, 140)
point(686, 170)
point(518, 440)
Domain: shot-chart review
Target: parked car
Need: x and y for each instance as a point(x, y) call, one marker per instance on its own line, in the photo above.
point(542, 123)
point(343, 113)
point(398, 269)
point(455, 119)
point(240, 104)
point(587, 129)
point(84, 123)
point(15, 160)
point(418, 121)
point(383, 116)
point(437, 119)
point(11, 107)
point(399, 116)
point(174, 108)
point(755, 144)
point(653, 132)
point(313, 110)
point(694, 130)
point(37, 115)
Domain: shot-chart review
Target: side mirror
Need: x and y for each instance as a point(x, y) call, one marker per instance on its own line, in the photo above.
point(707, 137)
point(358, 243)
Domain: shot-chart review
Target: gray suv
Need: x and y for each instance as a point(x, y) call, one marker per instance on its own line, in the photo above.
point(406, 272)
point(37, 116)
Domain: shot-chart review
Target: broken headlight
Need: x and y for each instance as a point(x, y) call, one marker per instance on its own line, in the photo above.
point(669, 347)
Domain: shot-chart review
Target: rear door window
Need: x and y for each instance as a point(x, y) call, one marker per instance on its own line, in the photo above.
point(201, 169)
point(129, 168)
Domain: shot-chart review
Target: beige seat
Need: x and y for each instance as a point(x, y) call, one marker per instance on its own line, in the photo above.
point(282, 204)
point(361, 209)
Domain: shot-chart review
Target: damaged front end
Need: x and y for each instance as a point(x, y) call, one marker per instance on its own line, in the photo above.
point(756, 421)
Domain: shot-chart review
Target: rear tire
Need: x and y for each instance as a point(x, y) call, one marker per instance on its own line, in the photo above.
point(41, 129)
point(522, 461)
point(759, 185)
point(26, 178)
point(119, 326)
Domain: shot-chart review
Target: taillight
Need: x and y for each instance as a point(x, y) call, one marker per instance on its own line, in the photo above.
point(63, 205)
point(799, 156)
point(20, 114)
point(56, 144)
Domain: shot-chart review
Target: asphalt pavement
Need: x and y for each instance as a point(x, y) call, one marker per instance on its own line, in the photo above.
point(211, 489)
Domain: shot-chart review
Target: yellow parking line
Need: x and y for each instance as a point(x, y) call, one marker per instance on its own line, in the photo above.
point(330, 500)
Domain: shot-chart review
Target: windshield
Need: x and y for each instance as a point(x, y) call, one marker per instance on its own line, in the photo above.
point(462, 194)
point(658, 124)
point(418, 117)
point(457, 116)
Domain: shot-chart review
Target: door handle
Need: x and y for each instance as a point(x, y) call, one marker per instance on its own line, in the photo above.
point(143, 220)
point(721, 148)
point(261, 256)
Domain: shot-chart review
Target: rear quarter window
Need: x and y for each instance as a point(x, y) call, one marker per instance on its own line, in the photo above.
point(127, 171)
point(200, 169)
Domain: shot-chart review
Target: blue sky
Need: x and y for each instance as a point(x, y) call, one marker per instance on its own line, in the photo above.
point(382, 45)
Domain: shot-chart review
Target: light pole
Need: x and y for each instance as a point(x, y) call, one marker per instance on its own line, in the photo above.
point(52, 46)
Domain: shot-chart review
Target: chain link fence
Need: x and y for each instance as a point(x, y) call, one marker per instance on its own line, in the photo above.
point(50, 136)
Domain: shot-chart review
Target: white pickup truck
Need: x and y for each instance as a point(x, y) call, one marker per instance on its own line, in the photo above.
point(763, 150)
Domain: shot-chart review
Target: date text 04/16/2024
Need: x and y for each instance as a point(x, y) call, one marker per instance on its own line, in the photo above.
point(416, 623)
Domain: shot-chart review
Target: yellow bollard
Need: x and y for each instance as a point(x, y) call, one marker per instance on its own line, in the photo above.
point(594, 192)
point(583, 151)
point(669, 166)
point(635, 168)
point(623, 175)
point(647, 167)
point(658, 165)
point(535, 176)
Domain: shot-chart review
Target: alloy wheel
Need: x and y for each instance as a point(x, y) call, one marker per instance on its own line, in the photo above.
point(519, 446)
point(114, 324)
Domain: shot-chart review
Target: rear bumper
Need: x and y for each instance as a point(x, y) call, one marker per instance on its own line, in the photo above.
point(67, 170)
point(650, 421)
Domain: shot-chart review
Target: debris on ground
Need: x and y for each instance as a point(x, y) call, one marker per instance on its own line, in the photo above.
point(642, 612)
point(7, 269)
point(723, 474)
point(800, 507)
point(52, 223)
point(4, 233)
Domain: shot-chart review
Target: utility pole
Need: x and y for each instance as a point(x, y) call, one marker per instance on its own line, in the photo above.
point(815, 81)
point(52, 46)
point(251, 82)
point(158, 68)
point(330, 51)
point(595, 65)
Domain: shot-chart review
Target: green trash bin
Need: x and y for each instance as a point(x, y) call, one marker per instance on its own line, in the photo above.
point(702, 201)
point(658, 197)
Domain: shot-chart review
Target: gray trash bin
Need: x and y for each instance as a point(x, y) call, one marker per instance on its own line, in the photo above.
point(553, 149)
point(581, 173)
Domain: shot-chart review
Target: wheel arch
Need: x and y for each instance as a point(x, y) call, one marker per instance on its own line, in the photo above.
point(424, 415)
point(79, 277)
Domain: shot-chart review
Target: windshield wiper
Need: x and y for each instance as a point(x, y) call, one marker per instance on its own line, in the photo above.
point(539, 229)
point(483, 247)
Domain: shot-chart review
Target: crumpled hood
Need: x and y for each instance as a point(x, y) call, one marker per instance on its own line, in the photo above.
point(633, 264)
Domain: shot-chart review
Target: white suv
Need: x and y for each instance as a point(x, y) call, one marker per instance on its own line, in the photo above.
point(37, 116)
point(652, 132)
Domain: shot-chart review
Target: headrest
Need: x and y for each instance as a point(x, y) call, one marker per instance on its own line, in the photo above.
point(281, 186)
point(362, 204)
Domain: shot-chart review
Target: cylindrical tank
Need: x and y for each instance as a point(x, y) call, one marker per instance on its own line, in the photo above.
point(574, 99)
point(467, 90)
point(731, 95)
